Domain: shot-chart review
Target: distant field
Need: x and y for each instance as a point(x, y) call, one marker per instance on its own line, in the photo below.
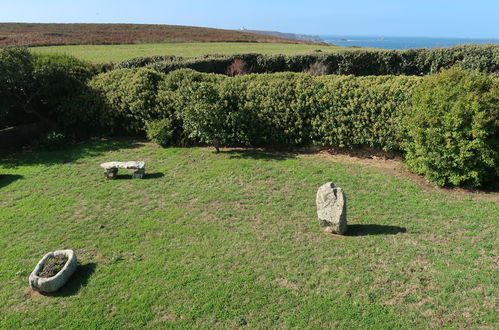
point(42, 34)
point(117, 53)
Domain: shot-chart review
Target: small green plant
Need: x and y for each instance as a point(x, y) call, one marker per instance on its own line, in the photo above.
point(50, 141)
point(160, 131)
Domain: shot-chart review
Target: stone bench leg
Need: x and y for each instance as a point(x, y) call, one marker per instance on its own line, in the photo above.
point(111, 173)
point(139, 174)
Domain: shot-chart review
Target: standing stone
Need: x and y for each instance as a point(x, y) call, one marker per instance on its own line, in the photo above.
point(332, 208)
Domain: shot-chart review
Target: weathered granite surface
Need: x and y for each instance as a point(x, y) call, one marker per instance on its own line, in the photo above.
point(135, 165)
point(112, 169)
point(332, 208)
point(54, 283)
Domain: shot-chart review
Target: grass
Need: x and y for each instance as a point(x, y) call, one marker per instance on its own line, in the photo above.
point(118, 53)
point(231, 240)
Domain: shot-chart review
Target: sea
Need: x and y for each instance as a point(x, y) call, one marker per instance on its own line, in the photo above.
point(402, 42)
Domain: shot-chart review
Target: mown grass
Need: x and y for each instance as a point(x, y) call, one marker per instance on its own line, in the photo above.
point(231, 240)
point(118, 53)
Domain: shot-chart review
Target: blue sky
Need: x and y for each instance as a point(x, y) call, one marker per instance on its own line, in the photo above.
point(433, 18)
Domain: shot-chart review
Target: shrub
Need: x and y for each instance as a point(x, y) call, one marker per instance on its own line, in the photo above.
point(130, 98)
point(204, 116)
point(452, 129)
point(41, 87)
point(51, 141)
point(60, 79)
point(273, 108)
point(160, 131)
point(237, 68)
point(16, 79)
point(361, 111)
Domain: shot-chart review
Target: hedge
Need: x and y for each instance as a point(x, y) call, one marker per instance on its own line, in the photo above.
point(452, 129)
point(43, 88)
point(447, 123)
point(484, 58)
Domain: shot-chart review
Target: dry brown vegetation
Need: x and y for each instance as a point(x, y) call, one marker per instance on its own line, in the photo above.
point(42, 34)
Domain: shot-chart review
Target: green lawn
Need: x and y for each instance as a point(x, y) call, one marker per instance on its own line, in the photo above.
point(118, 53)
point(231, 239)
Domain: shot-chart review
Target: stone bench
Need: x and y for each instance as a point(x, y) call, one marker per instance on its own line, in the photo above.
point(112, 169)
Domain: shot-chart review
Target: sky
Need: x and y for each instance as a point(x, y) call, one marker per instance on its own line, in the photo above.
point(425, 18)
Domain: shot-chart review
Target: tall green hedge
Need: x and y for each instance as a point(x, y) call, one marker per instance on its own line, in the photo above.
point(447, 123)
point(484, 58)
point(42, 88)
point(452, 129)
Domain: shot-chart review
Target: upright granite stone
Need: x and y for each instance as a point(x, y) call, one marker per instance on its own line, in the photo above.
point(332, 208)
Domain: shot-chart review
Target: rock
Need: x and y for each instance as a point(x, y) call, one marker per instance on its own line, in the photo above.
point(126, 165)
point(112, 169)
point(332, 208)
point(54, 283)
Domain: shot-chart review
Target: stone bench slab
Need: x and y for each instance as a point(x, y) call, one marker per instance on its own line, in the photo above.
point(126, 165)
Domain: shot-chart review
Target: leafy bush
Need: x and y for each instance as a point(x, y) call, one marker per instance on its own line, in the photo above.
point(452, 129)
point(60, 79)
point(361, 111)
point(160, 131)
point(16, 79)
point(51, 141)
point(41, 87)
point(130, 98)
point(204, 116)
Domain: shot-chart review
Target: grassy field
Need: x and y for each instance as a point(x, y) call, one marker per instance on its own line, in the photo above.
point(231, 240)
point(117, 53)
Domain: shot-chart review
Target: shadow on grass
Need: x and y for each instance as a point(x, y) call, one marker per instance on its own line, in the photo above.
point(147, 176)
point(76, 282)
point(67, 154)
point(365, 230)
point(257, 154)
point(6, 179)
point(153, 176)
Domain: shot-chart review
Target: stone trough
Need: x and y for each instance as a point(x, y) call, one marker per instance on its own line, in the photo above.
point(112, 169)
point(54, 283)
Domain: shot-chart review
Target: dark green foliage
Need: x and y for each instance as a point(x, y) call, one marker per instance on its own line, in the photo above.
point(50, 141)
point(204, 116)
point(60, 80)
point(361, 111)
point(360, 62)
point(293, 109)
point(452, 129)
point(16, 81)
point(41, 88)
point(129, 98)
point(160, 131)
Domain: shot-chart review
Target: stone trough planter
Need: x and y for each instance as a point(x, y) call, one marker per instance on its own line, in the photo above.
point(54, 283)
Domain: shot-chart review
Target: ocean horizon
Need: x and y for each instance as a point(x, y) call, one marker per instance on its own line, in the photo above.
point(402, 42)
